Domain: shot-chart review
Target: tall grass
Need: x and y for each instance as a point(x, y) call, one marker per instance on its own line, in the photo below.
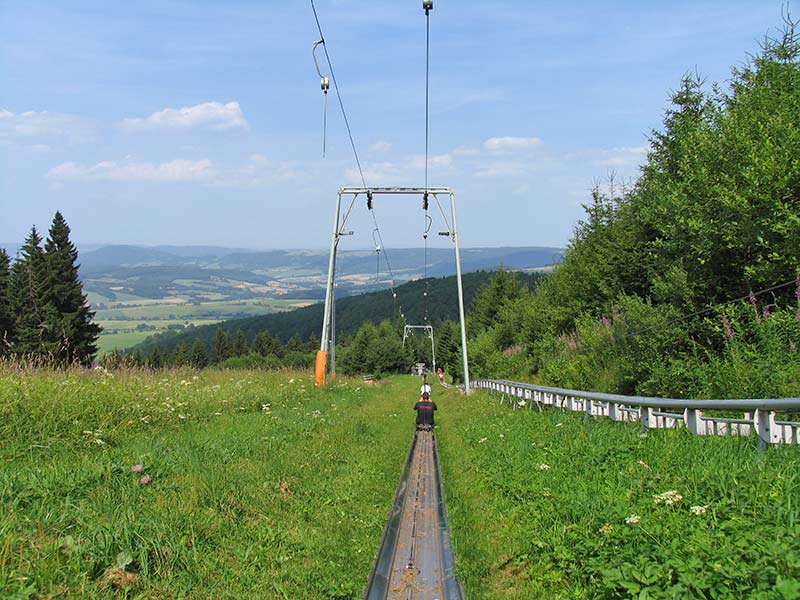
point(194, 485)
point(554, 506)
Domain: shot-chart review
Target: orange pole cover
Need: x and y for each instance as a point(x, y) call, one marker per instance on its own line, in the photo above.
point(319, 368)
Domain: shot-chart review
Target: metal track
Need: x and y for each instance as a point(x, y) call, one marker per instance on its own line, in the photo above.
point(415, 559)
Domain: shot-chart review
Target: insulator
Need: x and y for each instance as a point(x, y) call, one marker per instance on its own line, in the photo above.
point(325, 84)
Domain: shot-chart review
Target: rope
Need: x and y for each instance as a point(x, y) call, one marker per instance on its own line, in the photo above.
point(355, 152)
point(338, 94)
point(427, 77)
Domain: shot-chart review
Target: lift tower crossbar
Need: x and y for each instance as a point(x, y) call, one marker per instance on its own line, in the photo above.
point(339, 229)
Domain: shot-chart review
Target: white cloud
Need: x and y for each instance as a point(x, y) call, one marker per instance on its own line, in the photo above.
point(500, 144)
point(43, 124)
point(501, 169)
point(625, 156)
point(437, 160)
point(176, 170)
point(209, 115)
point(381, 146)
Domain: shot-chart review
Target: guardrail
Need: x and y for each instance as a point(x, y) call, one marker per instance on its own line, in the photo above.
point(759, 416)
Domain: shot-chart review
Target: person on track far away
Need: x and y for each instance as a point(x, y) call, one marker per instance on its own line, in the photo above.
point(426, 387)
point(425, 408)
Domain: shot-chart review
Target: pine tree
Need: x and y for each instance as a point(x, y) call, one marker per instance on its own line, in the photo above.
point(6, 315)
point(155, 360)
point(221, 345)
point(27, 301)
point(181, 356)
point(295, 344)
point(240, 344)
point(71, 333)
point(198, 357)
point(266, 345)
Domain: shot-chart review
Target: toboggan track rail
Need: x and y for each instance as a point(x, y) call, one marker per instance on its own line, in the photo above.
point(415, 558)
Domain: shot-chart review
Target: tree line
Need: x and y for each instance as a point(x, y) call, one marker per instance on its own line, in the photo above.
point(44, 315)
point(685, 283)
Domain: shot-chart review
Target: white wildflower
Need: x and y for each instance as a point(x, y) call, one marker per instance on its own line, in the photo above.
point(633, 519)
point(669, 498)
point(544, 467)
point(521, 403)
point(643, 435)
point(699, 510)
point(605, 529)
point(480, 441)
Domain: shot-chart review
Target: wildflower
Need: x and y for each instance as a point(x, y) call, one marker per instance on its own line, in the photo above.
point(99, 442)
point(137, 468)
point(643, 435)
point(521, 403)
point(752, 298)
point(766, 312)
point(698, 510)
point(605, 529)
point(633, 519)
point(480, 441)
point(605, 322)
point(644, 464)
point(546, 492)
point(544, 467)
point(502, 435)
point(145, 480)
point(559, 424)
point(669, 498)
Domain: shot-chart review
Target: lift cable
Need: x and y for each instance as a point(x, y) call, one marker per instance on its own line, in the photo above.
point(427, 5)
point(353, 146)
point(338, 94)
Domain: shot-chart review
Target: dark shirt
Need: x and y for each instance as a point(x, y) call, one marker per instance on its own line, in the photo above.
point(425, 410)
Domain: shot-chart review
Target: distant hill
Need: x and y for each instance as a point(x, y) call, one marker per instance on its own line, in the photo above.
point(351, 312)
point(191, 273)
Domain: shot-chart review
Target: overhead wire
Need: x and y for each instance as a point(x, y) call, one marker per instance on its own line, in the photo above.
point(355, 151)
point(427, 137)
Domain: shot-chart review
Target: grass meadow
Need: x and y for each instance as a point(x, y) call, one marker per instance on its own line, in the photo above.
point(552, 505)
point(195, 485)
point(236, 484)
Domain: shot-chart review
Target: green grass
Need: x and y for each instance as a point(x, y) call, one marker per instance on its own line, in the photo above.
point(265, 487)
point(538, 506)
point(262, 486)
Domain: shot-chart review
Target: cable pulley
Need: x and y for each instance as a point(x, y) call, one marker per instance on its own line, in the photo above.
point(369, 201)
point(324, 84)
point(427, 5)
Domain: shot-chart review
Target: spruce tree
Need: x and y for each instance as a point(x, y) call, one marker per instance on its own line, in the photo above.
point(198, 357)
point(221, 345)
point(6, 315)
point(266, 345)
point(72, 335)
point(27, 299)
point(240, 344)
point(181, 356)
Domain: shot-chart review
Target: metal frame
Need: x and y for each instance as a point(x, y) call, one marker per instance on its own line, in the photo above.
point(428, 329)
point(327, 339)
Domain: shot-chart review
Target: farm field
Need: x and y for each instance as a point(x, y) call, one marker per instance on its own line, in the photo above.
point(126, 326)
point(259, 485)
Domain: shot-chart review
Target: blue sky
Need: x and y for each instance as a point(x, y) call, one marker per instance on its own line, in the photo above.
point(176, 122)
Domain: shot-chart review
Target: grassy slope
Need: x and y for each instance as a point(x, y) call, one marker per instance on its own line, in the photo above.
point(285, 501)
point(289, 500)
point(529, 494)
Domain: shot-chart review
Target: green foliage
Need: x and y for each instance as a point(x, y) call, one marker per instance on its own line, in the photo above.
point(713, 217)
point(6, 313)
point(27, 298)
point(198, 357)
point(549, 505)
point(221, 346)
point(70, 331)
